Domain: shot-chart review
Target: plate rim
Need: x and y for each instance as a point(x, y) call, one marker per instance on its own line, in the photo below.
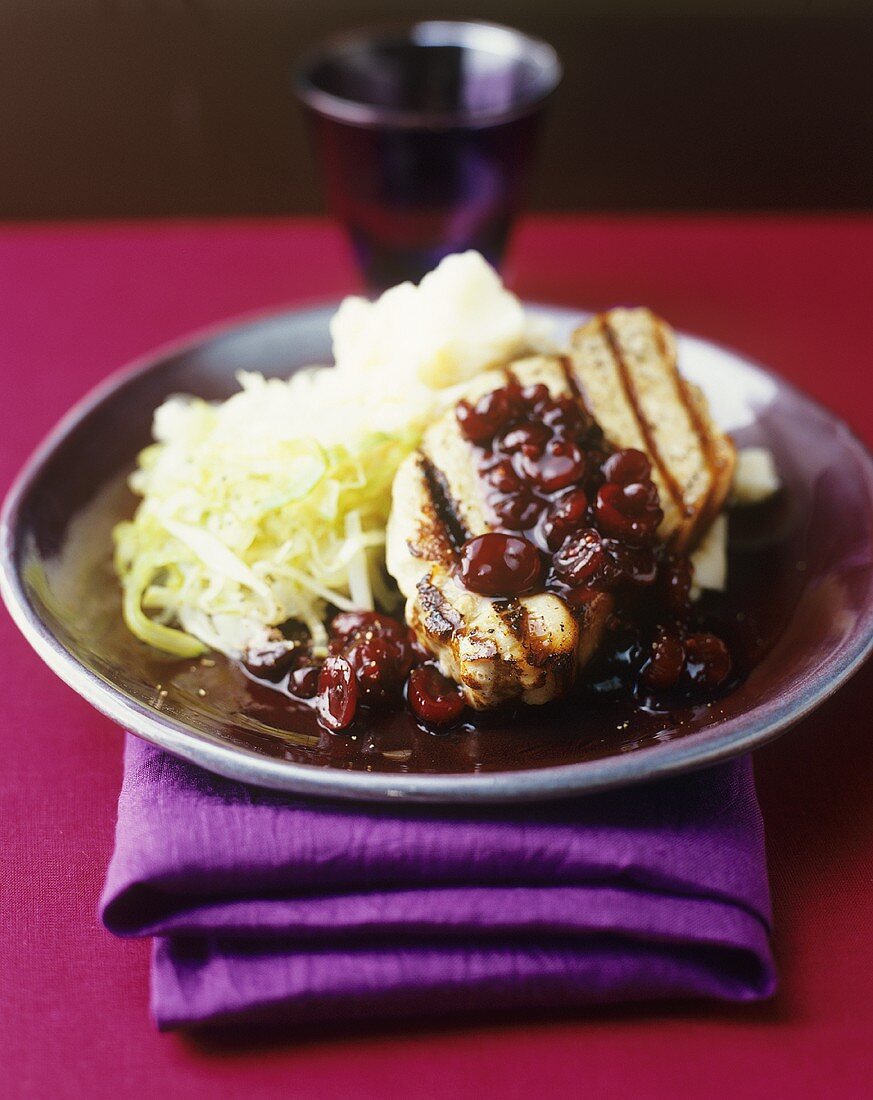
point(536, 784)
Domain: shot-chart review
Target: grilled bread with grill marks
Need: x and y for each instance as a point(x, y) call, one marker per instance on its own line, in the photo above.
point(624, 363)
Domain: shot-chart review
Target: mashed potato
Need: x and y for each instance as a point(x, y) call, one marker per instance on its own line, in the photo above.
point(459, 320)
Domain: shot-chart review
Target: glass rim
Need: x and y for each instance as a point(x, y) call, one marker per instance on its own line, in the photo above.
point(494, 38)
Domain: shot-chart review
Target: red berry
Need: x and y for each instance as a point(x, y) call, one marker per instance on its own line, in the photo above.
point(578, 560)
point(666, 660)
point(536, 394)
point(500, 565)
point(634, 565)
point(348, 624)
point(303, 682)
point(481, 421)
point(378, 648)
point(640, 497)
point(377, 669)
point(675, 585)
point(563, 416)
point(518, 512)
point(576, 598)
point(337, 694)
point(559, 465)
point(707, 661)
point(531, 434)
point(271, 660)
point(566, 515)
point(432, 697)
point(632, 519)
point(503, 477)
point(626, 466)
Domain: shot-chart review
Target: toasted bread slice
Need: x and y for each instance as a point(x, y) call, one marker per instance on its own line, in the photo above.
point(624, 363)
point(529, 648)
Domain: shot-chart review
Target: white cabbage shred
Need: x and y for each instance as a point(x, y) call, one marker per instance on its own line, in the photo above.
point(272, 504)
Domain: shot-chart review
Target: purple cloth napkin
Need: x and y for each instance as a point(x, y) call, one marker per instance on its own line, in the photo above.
point(269, 907)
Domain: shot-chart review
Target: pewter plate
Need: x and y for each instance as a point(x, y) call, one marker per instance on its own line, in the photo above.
point(810, 559)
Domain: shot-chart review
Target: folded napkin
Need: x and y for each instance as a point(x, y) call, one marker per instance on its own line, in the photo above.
point(270, 907)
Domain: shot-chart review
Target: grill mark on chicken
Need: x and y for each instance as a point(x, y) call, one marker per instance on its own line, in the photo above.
point(511, 612)
point(645, 428)
point(514, 619)
point(438, 615)
point(445, 508)
point(539, 655)
point(561, 668)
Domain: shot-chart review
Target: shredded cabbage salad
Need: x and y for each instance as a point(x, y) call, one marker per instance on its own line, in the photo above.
point(273, 504)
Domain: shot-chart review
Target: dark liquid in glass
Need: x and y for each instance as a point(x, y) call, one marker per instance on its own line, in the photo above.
point(446, 176)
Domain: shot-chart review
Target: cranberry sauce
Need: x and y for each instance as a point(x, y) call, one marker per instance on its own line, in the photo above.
point(576, 517)
point(278, 717)
point(373, 661)
point(499, 565)
point(553, 481)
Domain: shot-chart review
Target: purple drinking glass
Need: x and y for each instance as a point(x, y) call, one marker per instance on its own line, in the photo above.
point(425, 135)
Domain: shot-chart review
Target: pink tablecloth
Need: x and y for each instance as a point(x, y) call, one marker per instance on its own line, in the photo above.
point(77, 302)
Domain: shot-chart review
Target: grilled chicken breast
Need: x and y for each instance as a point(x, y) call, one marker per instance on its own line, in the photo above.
point(530, 647)
point(623, 367)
